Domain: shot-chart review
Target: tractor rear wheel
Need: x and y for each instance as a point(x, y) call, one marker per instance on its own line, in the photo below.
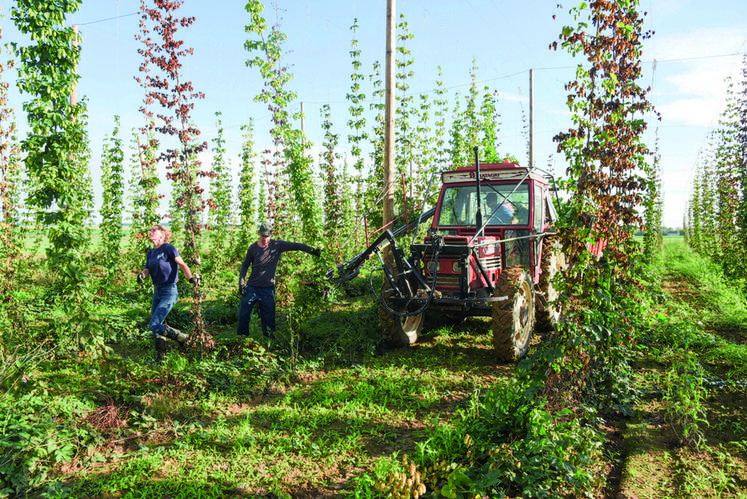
point(553, 261)
point(513, 319)
point(400, 331)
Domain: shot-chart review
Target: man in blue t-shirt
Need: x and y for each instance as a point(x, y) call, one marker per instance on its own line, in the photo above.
point(499, 215)
point(263, 256)
point(162, 264)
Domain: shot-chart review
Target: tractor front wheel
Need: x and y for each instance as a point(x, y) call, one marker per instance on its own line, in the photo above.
point(513, 318)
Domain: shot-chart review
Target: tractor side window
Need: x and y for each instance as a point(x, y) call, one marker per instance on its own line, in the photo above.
point(552, 215)
point(458, 206)
point(539, 195)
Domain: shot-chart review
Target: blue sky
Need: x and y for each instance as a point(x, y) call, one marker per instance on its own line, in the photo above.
point(696, 45)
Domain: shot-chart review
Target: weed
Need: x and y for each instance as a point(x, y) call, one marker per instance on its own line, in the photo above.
point(683, 402)
point(35, 441)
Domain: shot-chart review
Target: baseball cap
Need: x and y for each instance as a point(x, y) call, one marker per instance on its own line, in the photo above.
point(265, 229)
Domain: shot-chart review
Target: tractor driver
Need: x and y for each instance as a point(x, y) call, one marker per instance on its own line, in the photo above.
point(503, 214)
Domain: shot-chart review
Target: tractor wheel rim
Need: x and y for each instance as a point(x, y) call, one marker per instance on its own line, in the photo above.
point(522, 311)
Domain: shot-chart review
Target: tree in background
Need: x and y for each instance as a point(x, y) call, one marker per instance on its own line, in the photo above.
point(458, 154)
point(740, 149)
point(144, 182)
point(404, 141)
point(424, 159)
point(291, 189)
point(11, 236)
point(175, 96)
point(694, 210)
point(375, 189)
point(432, 139)
point(290, 157)
point(605, 154)
point(146, 200)
point(357, 120)
point(331, 184)
point(268, 197)
point(219, 202)
point(728, 189)
point(247, 193)
point(56, 150)
point(471, 122)
point(490, 127)
point(56, 157)
point(719, 227)
point(652, 239)
point(717, 212)
point(440, 112)
point(112, 205)
point(705, 178)
point(347, 206)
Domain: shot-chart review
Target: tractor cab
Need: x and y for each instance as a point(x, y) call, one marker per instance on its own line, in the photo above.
point(503, 220)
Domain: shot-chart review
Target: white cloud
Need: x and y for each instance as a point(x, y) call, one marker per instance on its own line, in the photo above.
point(697, 43)
point(691, 72)
point(697, 111)
point(695, 95)
point(703, 79)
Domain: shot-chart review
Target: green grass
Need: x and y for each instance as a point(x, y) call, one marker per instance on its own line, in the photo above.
point(724, 298)
point(688, 439)
point(253, 418)
point(710, 302)
point(328, 410)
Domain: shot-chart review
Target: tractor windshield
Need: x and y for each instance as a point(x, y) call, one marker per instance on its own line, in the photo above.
point(459, 205)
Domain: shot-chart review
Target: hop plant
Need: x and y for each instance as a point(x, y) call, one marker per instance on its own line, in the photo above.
point(402, 485)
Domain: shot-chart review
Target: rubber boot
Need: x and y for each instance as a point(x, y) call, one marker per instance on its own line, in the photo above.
point(175, 334)
point(161, 347)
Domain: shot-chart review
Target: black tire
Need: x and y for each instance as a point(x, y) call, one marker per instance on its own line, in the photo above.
point(513, 319)
point(399, 331)
point(548, 310)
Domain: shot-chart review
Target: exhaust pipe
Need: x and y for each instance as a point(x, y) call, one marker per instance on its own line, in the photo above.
point(478, 215)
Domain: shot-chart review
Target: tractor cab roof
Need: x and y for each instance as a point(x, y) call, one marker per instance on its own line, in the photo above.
point(491, 172)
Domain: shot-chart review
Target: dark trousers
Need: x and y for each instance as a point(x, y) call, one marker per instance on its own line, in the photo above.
point(265, 298)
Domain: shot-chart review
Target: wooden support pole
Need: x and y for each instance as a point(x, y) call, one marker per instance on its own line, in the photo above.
point(391, 26)
point(531, 118)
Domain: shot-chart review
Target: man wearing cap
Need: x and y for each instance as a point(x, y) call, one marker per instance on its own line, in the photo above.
point(500, 215)
point(263, 257)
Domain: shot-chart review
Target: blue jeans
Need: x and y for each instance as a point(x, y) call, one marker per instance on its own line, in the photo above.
point(265, 298)
point(164, 299)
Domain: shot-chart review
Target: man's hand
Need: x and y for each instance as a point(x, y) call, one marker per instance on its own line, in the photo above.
point(195, 279)
point(316, 252)
point(242, 289)
point(141, 277)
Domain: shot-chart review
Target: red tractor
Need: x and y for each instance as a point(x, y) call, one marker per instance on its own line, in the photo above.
point(488, 252)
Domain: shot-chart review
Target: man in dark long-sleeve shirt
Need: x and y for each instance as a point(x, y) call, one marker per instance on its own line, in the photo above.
point(263, 256)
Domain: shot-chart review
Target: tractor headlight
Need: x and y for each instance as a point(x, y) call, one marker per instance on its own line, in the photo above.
point(431, 265)
point(456, 267)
